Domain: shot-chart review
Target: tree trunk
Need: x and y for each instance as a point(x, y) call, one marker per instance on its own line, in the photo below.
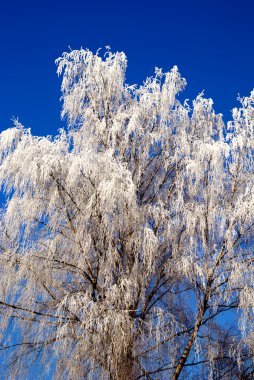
point(125, 369)
point(190, 341)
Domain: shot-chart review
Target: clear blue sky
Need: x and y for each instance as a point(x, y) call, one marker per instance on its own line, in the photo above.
point(212, 42)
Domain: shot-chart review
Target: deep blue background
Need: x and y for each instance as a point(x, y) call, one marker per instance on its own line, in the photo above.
point(210, 41)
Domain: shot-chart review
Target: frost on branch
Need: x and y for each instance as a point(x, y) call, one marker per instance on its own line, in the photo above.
point(126, 238)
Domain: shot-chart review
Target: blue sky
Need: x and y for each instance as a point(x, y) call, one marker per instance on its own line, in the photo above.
point(210, 41)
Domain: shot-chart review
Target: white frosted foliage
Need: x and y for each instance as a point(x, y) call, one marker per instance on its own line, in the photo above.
point(127, 237)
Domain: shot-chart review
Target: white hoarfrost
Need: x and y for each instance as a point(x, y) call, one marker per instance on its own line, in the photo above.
point(127, 238)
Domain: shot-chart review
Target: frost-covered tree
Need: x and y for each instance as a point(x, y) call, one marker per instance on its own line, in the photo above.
point(127, 239)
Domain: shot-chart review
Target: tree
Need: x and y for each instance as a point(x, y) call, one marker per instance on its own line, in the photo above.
point(128, 237)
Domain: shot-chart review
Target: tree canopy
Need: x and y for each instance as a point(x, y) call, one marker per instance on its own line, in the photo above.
point(127, 239)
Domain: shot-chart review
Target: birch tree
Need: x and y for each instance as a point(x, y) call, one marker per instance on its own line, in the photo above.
point(126, 247)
